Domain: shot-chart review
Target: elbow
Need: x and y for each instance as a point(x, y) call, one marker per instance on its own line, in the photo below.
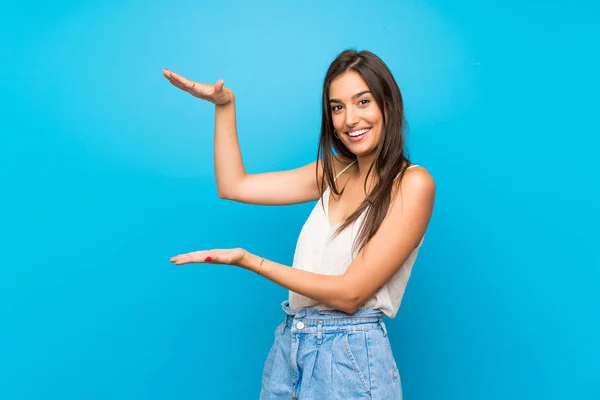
point(350, 296)
point(230, 190)
point(349, 309)
point(222, 195)
point(351, 304)
point(225, 194)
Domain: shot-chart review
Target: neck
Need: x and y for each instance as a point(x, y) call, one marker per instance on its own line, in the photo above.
point(363, 163)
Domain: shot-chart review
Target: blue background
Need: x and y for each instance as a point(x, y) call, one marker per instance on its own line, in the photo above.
point(107, 171)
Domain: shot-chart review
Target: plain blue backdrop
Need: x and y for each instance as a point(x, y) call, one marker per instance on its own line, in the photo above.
point(107, 171)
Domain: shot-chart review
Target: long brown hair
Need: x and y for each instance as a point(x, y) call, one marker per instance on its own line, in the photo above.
point(391, 157)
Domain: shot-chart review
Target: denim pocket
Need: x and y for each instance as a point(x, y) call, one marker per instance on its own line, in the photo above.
point(355, 346)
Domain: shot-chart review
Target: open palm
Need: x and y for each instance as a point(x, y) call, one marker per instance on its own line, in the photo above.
point(216, 93)
point(215, 256)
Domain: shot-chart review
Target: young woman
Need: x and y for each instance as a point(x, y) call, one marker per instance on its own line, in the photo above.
point(356, 250)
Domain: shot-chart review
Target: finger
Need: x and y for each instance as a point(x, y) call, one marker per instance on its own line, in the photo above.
point(194, 257)
point(189, 257)
point(175, 258)
point(200, 89)
point(219, 85)
point(175, 79)
point(184, 259)
point(174, 82)
point(170, 75)
point(175, 75)
point(177, 84)
point(186, 83)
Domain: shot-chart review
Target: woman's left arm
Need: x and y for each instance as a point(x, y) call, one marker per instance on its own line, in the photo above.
point(400, 232)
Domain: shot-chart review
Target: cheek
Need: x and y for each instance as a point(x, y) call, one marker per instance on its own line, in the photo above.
point(338, 122)
point(374, 117)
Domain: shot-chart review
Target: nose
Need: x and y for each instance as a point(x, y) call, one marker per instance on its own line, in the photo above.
point(351, 118)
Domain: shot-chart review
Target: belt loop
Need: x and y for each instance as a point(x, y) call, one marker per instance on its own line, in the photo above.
point(383, 327)
point(284, 324)
point(319, 332)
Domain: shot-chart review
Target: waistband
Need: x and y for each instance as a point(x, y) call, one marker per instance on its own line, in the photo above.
point(311, 320)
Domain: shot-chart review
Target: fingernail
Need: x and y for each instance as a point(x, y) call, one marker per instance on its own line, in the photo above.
point(207, 259)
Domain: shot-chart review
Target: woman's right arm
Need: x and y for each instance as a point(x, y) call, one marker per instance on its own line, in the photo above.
point(233, 182)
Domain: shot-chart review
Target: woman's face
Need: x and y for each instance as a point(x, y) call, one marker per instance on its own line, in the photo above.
point(355, 115)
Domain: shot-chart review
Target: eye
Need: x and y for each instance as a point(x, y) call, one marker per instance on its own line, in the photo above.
point(335, 108)
point(364, 101)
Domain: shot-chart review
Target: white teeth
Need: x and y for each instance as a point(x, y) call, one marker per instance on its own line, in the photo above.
point(358, 133)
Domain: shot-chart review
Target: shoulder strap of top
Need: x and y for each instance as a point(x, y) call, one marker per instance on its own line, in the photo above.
point(352, 163)
point(344, 170)
point(414, 165)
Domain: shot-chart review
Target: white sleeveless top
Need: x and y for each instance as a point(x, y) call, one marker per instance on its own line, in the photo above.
point(317, 252)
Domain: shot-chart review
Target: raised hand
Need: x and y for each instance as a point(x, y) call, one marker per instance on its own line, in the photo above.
point(216, 93)
point(215, 256)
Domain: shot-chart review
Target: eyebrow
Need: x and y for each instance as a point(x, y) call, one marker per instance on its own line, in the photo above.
point(354, 97)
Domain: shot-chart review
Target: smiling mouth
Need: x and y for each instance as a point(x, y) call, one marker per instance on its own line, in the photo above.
point(358, 133)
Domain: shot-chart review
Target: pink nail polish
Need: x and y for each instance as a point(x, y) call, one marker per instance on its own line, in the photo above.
point(207, 259)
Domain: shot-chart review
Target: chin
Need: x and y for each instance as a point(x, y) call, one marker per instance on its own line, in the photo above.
point(361, 149)
point(363, 153)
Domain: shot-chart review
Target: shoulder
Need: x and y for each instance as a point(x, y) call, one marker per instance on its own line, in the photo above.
point(417, 185)
point(418, 177)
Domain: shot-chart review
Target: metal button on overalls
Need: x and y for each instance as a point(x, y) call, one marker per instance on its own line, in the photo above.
point(300, 325)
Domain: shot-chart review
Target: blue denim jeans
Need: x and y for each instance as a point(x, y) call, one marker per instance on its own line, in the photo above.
point(325, 355)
